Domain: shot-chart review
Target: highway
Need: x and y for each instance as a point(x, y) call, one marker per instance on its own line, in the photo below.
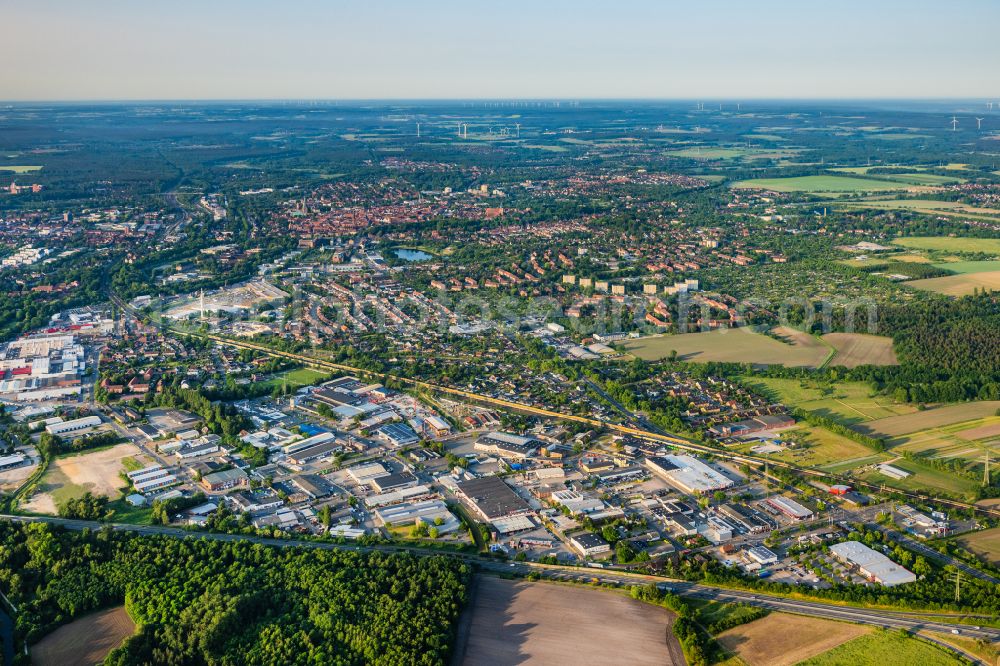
point(911, 621)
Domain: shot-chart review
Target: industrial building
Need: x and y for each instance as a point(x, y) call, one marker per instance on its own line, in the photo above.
point(13, 460)
point(313, 486)
point(589, 544)
point(73, 425)
point(396, 496)
point(230, 478)
point(746, 519)
point(506, 445)
point(788, 507)
point(390, 482)
point(397, 434)
point(688, 474)
point(761, 555)
point(319, 438)
point(314, 448)
point(492, 498)
point(367, 472)
point(428, 511)
point(196, 449)
point(893, 472)
point(873, 565)
point(151, 478)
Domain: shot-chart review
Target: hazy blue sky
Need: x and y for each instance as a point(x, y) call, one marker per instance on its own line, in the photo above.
point(187, 49)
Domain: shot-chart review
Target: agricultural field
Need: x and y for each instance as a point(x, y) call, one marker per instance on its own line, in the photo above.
point(847, 402)
point(708, 153)
point(959, 285)
point(782, 640)
point(921, 178)
point(937, 417)
point(739, 345)
point(964, 267)
point(985, 544)
point(820, 184)
point(949, 243)
point(965, 440)
point(882, 647)
point(72, 476)
point(516, 622)
point(86, 641)
point(19, 168)
point(947, 208)
point(854, 349)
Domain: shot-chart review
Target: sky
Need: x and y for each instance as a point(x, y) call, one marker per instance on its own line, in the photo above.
point(511, 49)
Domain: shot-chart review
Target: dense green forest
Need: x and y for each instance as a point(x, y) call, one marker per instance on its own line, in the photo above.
point(212, 602)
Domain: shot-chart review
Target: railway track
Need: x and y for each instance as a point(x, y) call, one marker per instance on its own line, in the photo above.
point(671, 440)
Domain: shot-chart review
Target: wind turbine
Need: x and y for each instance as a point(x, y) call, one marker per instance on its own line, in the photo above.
point(979, 123)
point(989, 105)
point(517, 127)
point(418, 130)
point(954, 123)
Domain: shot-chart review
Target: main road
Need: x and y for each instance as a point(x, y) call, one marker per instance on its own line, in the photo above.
point(910, 621)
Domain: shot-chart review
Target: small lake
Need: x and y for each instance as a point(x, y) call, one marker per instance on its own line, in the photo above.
point(412, 255)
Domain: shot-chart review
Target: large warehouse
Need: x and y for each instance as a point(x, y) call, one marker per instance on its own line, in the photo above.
point(492, 498)
point(871, 564)
point(688, 474)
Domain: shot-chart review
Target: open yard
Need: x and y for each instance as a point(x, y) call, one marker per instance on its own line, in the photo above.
point(881, 648)
point(985, 544)
point(86, 641)
point(739, 345)
point(854, 349)
point(959, 285)
point(837, 184)
point(517, 622)
point(72, 476)
point(781, 640)
point(19, 168)
point(950, 244)
point(818, 447)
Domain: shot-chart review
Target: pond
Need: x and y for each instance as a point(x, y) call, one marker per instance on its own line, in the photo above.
point(412, 255)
